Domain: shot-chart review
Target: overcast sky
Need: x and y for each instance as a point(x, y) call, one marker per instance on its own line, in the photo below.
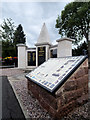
point(32, 15)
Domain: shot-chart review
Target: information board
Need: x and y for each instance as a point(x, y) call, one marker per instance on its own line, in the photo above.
point(52, 73)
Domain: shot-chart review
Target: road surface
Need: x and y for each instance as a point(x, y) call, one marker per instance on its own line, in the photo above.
point(10, 106)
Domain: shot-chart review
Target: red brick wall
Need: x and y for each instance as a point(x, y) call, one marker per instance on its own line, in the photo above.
point(73, 93)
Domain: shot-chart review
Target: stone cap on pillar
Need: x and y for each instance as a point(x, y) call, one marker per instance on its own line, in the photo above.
point(44, 38)
point(21, 45)
point(65, 38)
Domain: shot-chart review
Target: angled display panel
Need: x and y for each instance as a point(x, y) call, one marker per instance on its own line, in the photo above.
point(52, 73)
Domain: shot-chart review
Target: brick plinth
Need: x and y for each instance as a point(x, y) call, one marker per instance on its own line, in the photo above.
point(73, 93)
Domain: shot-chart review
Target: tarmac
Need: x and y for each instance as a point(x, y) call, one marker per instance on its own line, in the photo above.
point(10, 106)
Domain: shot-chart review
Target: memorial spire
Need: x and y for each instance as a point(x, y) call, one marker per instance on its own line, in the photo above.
point(44, 36)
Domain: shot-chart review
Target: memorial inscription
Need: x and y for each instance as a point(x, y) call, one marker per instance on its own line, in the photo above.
point(31, 58)
point(52, 73)
point(41, 55)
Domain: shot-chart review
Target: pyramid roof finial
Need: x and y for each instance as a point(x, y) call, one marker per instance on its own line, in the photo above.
point(44, 36)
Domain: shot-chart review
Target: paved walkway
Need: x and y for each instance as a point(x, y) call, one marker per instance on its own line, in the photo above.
point(10, 106)
point(11, 72)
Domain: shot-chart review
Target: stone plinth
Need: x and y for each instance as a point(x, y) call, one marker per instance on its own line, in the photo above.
point(21, 55)
point(73, 93)
point(64, 47)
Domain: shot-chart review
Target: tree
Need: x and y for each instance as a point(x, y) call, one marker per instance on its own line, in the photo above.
point(7, 29)
point(7, 49)
point(74, 22)
point(19, 37)
point(81, 49)
point(10, 37)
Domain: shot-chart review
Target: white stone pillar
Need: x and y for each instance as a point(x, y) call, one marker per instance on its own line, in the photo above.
point(64, 47)
point(47, 52)
point(21, 55)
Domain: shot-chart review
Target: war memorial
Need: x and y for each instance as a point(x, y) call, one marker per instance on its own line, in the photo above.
point(33, 57)
point(59, 81)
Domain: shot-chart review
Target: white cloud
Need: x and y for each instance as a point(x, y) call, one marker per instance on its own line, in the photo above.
point(32, 15)
point(39, 0)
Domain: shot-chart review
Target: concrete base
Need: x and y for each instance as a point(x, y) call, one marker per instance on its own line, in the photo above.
point(73, 93)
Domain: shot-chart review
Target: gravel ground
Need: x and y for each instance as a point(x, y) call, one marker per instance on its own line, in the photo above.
point(34, 110)
point(81, 113)
point(11, 72)
point(32, 106)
